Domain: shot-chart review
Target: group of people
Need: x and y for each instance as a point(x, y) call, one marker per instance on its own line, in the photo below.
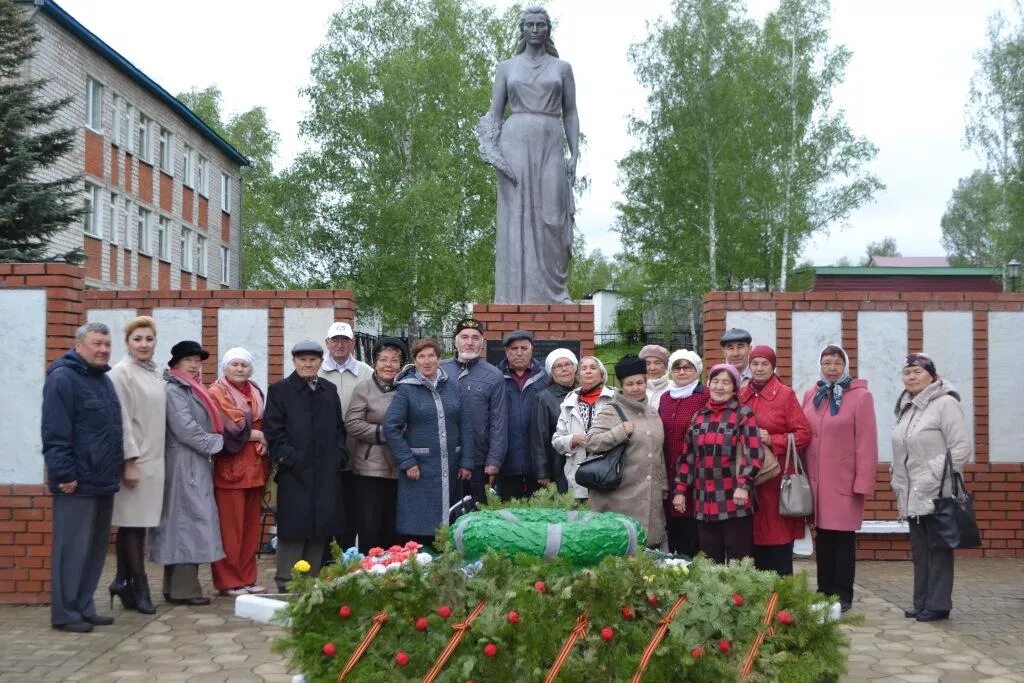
point(385, 453)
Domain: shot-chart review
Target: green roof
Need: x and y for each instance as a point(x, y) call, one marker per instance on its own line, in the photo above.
point(878, 271)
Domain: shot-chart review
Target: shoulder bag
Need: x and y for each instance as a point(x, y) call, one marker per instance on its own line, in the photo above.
point(603, 471)
point(769, 466)
point(953, 522)
point(795, 499)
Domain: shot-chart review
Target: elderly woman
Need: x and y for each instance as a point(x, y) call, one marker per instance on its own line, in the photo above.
point(644, 486)
point(549, 463)
point(778, 415)
point(721, 458)
point(189, 531)
point(929, 424)
point(576, 416)
point(676, 408)
point(655, 360)
point(431, 439)
point(841, 461)
point(240, 472)
point(137, 505)
point(373, 466)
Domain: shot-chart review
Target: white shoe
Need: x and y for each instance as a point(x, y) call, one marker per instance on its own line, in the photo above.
point(235, 592)
point(254, 589)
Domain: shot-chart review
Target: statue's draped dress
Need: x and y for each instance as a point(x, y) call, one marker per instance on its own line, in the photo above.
point(534, 231)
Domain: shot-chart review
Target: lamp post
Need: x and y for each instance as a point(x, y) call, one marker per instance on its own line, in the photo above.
point(1012, 271)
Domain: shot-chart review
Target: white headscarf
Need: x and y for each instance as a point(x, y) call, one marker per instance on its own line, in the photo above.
point(237, 353)
point(555, 355)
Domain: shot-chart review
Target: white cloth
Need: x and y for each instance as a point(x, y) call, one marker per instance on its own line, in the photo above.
point(692, 357)
point(237, 353)
point(684, 391)
point(555, 355)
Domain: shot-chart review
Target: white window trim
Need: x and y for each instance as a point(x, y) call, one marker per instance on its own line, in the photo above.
point(163, 238)
point(130, 129)
point(146, 138)
point(112, 215)
point(225, 265)
point(186, 248)
point(93, 91)
point(200, 260)
point(188, 167)
point(92, 216)
point(225, 193)
point(117, 104)
point(203, 176)
point(167, 143)
point(144, 246)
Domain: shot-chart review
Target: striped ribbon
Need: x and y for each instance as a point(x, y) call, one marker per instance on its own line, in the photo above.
point(659, 635)
point(767, 620)
point(578, 632)
point(453, 642)
point(364, 644)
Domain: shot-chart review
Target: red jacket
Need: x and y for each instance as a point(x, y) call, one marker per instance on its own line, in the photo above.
point(779, 413)
point(676, 415)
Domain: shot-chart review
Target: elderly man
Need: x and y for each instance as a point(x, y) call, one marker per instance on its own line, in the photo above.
point(524, 379)
point(303, 425)
point(736, 348)
point(342, 369)
point(83, 445)
point(483, 395)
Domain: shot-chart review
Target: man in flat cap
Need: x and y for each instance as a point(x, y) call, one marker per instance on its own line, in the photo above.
point(303, 425)
point(483, 395)
point(525, 377)
point(736, 348)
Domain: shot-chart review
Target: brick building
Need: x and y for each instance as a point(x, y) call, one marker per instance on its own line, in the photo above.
point(161, 190)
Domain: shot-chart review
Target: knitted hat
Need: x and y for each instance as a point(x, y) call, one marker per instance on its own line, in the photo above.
point(557, 354)
point(766, 352)
point(725, 367)
point(654, 351)
point(689, 356)
point(630, 365)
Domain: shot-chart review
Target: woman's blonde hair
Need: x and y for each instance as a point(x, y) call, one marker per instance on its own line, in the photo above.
point(138, 323)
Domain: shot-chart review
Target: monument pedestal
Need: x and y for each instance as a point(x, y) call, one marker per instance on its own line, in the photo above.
point(543, 321)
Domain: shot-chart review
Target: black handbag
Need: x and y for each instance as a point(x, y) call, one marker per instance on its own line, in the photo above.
point(603, 471)
point(953, 524)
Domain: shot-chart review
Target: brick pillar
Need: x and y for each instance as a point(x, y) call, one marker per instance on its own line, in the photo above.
point(544, 321)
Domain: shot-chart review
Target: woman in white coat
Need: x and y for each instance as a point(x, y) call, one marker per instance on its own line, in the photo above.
point(577, 415)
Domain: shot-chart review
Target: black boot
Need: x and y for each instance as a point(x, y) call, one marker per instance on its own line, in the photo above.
point(121, 589)
point(140, 595)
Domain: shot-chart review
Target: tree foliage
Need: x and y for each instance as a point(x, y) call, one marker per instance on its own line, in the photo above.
point(883, 247)
point(975, 231)
point(32, 211)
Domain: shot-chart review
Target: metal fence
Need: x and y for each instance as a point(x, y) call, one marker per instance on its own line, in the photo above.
point(365, 342)
point(679, 339)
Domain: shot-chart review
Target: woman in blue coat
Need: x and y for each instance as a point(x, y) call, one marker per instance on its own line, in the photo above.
point(431, 438)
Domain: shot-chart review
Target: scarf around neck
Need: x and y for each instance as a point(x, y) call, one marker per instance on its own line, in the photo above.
point(216, 422)
point(834, 391)
point(248, 403)
point(685, 391)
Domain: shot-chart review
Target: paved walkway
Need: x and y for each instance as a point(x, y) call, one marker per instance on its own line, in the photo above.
point(984, 641)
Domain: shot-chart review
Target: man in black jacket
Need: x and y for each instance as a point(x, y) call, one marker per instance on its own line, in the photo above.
point(548, 463)
point(303, 425)
point(83, 446)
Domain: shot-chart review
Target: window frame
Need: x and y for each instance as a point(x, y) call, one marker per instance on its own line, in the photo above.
point(188, 166)
point(117, 104)
point(92, 217)
point(185, 244)
point(112, 215)
point(199, 264)
point(144, 228)
point(225, 193)
point(145, 150)
point(93, 104)
point(163, 238)
point(203, 176)
point(166, 155)
point(225, 265)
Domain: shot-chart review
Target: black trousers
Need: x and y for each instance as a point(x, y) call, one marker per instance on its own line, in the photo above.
point(774, 558)
point(682, 535)
point(81, 529)
point(376, 503)
point(729, 539)
point(515, 486)
point(933, 569)
point(836, 555)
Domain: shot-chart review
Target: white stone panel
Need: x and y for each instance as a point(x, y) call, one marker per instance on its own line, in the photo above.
point(304, 323)
point(22, 376)
point(115, 319)
point(949, 340)
point(760, 325)
point(1005, 368)
point(812, 331)
point(245, 327)
point(175, 325)
point(881, 351)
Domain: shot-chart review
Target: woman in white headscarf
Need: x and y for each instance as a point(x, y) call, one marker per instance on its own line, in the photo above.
point(576, 416)
point(240, 472)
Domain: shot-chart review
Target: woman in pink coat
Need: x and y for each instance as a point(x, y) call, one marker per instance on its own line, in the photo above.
point(841, 463)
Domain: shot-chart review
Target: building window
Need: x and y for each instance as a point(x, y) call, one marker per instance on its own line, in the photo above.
point(203, 177)
point(115, 129)
point(225, 266)
point(144, 231)
point(145, 138)
point(93, 104)
point(163, 239)
point(166, 152)
point(225, 192)
point(188, 166)
point(112, 218)
point(186, 248)
point(129, 129)
point(199, 263)
point(91, 216)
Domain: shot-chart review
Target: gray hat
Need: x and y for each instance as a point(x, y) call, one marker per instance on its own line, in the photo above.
point(735, 334)
point(308, 346)
point(516, 335)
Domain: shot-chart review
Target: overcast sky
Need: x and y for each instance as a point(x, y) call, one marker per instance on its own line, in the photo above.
point(905, 89)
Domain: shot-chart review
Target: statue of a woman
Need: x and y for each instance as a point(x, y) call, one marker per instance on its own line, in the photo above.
point(535, 202)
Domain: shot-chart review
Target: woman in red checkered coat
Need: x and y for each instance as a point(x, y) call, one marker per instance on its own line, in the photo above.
point(721, 458)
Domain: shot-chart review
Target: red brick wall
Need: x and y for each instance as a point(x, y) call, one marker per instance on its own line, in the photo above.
point(204, 211)
point(145, 182)
point(93, 153)
point(998, 488)
point(187, 200)
point(166, 192)
point(555, 321)
point(93, 257)
point(115, 166)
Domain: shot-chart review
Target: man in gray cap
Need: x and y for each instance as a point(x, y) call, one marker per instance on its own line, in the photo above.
point(736, 348)
point(525, 377)
point(304, 427)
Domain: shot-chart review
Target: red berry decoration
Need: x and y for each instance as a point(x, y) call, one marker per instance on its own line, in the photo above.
point(345, 612)
point(652, 599)
point(513, 617)
point(541, 587)
point(444, 611)
point(697, 652)
point(607, 633)
point(329, 650)
point(724, 645)
point(401, 659)
point(627, 613)
point(737, 599)
point(421, 624)
point(491, 650)
point(784, 617)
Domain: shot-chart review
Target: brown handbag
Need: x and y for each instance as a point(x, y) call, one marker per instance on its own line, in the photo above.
point(769, 466)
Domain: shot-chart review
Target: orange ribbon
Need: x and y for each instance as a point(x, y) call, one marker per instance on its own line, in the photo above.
point(659, 635)
point(453, 642)
point(767, 620)
point(578, 632)
point(364, 644)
